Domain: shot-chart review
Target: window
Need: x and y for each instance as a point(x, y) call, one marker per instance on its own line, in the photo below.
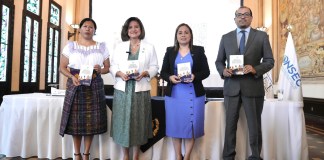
point(30, 46)
point(53, 45)
point(6, 40)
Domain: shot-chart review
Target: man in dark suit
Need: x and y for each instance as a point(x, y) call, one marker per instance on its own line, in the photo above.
point(247, 89)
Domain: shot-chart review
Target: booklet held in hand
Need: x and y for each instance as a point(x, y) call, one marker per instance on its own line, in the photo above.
point(132, 69)
point(237, 64)
point(85, 75)
point(184, 71)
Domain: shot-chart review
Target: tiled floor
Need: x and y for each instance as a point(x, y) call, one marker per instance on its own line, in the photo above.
point(315, 145)
point(315, 137)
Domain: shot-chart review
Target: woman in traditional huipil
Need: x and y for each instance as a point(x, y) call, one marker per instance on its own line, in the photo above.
point(132, 116)
point(84, 111)
point(184, 98)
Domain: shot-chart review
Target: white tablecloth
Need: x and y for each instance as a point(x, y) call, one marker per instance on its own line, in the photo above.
point(29, 126)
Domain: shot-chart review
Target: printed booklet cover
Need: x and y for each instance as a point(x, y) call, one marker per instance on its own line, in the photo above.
point(184, 71)
point(132, 69)
point(85, 75)
point(237, 64)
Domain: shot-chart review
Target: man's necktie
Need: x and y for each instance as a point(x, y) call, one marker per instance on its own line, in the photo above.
point(242, 42)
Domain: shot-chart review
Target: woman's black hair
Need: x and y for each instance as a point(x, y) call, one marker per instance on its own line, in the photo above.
point(88, 19)
point(124, 32)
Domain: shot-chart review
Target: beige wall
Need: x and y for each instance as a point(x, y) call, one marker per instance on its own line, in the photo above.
point(270, 18)
point(75, 11)
point(16, 45)
point(69, 8)
point(263, 17)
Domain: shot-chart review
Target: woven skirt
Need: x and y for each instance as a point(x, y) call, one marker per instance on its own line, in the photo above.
point(87, 114)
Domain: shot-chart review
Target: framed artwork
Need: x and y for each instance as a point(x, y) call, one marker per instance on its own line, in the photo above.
point(306, 18)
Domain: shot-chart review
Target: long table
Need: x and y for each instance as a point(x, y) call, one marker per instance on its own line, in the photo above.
point(29, 126)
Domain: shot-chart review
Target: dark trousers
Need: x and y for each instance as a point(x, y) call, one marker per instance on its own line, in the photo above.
point(253, 108)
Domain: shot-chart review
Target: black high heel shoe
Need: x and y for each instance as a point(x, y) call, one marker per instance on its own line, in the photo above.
point(86, 155)
point(78, 155)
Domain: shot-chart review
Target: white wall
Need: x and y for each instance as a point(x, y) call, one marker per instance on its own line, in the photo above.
point(209, 20)
point(314, 90)
point(310, 89)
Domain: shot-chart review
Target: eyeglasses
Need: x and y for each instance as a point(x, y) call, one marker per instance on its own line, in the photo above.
point(246, 14)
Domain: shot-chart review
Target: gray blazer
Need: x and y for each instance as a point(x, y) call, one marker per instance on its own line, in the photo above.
point(258, 53)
